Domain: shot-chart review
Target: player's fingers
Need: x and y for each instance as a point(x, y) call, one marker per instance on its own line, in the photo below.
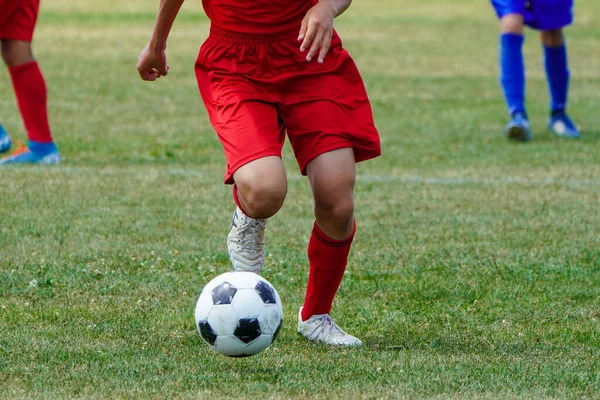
point(308, 38)
point(149, 75)
point(303, 28)
point(326, 44)
point(164, 69)
point(316, 44)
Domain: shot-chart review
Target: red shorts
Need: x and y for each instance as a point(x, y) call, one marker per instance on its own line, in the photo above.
point(258, 87)
point(17, 19)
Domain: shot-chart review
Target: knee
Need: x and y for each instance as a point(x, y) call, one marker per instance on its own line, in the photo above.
point(512, 23)
point(15, 52)
point(553, 38)
point(338, 212)
point(262, 198)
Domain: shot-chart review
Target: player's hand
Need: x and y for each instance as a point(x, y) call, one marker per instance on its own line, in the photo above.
point(316, 30)
point(152, 64)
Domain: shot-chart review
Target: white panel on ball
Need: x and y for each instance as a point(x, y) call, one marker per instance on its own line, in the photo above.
point(223, 319)
point(230, 346)
point(204, 305)
point(243, 280)
point(270, 318)
point(259, 344)
point(247, 303)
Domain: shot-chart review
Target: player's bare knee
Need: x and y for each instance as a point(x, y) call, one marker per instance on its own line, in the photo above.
point(262, 198)
point(552, 38)
point(16, 52)
point(512, 23)
point(339, 213)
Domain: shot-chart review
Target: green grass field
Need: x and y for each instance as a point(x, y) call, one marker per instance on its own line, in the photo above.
point(476, 268)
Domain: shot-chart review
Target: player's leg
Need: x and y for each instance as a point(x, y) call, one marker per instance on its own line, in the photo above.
point(6, 11)
point(259, 191)
point(29, 86)
point(557, 75)
point(332, 177)
point(252, 135)
point(330, 126)
point(512, 67)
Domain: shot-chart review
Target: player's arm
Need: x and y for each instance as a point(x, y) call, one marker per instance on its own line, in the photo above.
point(317, 27)
point(152, 62)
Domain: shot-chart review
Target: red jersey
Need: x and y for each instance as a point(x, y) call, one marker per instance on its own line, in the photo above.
point(257, 16)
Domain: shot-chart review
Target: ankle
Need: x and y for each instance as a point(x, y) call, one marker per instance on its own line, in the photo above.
point(41, 149)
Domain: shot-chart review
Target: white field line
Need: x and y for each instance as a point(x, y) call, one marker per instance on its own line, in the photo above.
point(155, 171)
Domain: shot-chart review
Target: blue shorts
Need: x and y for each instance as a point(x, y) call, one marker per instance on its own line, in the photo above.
point(538, 14)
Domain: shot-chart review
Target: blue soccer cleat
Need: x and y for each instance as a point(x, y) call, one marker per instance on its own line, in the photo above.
point(562, 125)
point(24, 155)
point(5, 141)
point(518, 128)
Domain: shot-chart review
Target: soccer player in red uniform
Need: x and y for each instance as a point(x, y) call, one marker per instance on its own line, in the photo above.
point(267, 69)
point(17, 22)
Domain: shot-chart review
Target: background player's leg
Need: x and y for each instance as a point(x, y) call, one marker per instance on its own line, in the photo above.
point(259, 192)
point(512, 75)
point(30, 90)
point(557, 74)
point(332, 177)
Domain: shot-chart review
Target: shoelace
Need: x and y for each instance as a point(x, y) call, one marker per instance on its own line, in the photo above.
point(325, 325)
point(249, 231)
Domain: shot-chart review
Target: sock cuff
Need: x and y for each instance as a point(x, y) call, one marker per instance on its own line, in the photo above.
point(42, 148)
point(512, 38)
point(15, 69)
point(237, 199)
point(326, 240)
point(555, 48)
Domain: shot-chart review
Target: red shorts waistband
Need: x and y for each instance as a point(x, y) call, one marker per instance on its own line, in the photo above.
point(223, 35)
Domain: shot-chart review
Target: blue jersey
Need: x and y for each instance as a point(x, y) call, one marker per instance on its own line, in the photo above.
point(538, 14)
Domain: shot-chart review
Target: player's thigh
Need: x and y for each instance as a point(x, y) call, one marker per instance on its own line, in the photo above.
point(551, 15)
point(330, 111)
point(248, 127)
point(506, 7)
point(248, 131)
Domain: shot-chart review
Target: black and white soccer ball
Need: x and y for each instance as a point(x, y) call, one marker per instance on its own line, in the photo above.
point(239, 314)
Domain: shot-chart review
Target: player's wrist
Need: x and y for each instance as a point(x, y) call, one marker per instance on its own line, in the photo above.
point(156, 48)
point(337, 6)
point(331, 6)
point(157, 45)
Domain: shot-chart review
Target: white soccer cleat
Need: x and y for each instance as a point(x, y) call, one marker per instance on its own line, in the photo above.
point(245, 242)
point(322, 328)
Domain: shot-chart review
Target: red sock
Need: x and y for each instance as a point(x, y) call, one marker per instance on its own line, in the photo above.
point(30, 89)
point(328, 258)
point(237, 199)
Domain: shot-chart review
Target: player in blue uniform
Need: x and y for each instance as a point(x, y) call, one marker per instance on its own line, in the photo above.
point(549, 17)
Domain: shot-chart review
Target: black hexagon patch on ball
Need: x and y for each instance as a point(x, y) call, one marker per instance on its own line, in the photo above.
point(223, 294)
point(266, 293)
point(247, 329)
point(207, 332)
point(276, 333)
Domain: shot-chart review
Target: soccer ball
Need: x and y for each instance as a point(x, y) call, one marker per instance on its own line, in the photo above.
point(239, 314)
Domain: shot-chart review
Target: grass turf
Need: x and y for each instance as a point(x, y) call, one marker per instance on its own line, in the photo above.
point(476, 268)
